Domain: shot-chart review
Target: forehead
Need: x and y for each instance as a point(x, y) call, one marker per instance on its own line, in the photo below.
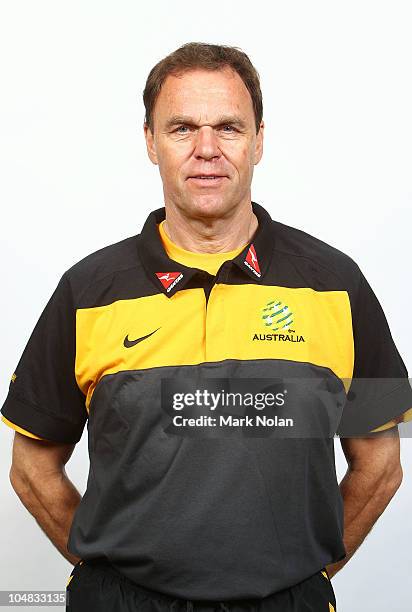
point(204, 94)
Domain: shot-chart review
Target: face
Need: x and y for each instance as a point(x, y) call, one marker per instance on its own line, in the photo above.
point(204, 125)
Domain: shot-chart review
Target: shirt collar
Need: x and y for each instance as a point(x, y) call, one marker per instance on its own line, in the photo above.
point(170, 276)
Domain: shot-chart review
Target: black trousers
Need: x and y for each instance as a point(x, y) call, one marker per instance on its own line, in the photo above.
point(95, 586)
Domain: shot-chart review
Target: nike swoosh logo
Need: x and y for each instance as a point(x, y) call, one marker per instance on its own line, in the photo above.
point(128, 343)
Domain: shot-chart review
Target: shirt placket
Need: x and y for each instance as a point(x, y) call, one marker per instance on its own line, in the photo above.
point(215, 316)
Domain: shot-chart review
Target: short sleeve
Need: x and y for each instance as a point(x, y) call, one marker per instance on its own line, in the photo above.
point(380, 390)
point(20, 429)
point(43, 397)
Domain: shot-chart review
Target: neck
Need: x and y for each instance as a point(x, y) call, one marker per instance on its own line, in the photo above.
point(213, 234)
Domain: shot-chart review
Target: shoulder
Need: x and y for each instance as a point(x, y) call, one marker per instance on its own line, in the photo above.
point(98, 268)
point(315, 257)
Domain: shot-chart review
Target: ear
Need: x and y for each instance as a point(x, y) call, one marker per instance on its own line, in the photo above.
point(150, 144)
point(259, 143)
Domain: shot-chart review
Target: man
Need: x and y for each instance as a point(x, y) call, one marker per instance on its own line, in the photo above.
point(193, 502)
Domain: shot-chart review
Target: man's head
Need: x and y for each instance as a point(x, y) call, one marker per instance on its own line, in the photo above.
point(204, 117)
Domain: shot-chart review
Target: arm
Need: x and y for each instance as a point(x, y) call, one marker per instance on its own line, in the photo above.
point(374, 474)
point(39, 478)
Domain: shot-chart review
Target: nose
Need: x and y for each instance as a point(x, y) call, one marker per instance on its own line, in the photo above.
point(206, 144)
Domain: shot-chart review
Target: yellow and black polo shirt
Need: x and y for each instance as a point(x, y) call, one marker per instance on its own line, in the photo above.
point(211, 398)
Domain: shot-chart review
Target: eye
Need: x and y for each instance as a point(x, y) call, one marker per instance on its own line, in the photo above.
point(180, 127)
point(231, 128)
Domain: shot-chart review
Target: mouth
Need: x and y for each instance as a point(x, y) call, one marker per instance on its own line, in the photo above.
point(207, 179)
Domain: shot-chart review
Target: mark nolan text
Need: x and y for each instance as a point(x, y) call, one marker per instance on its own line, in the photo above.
point(247, 421)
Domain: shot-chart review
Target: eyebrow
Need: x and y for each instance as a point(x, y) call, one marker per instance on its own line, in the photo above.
point(222, 120)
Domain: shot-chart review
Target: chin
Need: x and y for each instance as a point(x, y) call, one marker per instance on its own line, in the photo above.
point(209, 205)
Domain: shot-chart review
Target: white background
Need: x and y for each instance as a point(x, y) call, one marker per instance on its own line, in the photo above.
point(336, 82)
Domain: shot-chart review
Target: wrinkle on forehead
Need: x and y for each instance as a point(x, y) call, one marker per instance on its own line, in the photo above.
point(205, 96)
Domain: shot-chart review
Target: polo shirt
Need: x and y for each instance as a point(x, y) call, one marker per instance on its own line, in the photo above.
point(189, 492)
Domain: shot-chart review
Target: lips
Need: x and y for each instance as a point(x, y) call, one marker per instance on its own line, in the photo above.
point(204, 181)
point(207, 177)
